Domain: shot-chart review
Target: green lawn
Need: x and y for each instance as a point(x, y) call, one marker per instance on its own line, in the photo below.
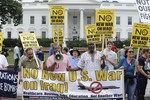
point(10, 58)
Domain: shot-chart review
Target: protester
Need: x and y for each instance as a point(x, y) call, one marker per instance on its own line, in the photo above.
point(5, 51)
point(143, 75)
point(74, 58)
point(30, 61)
point(90, 60)
point(129, 64)
point(40, 55)
point(52, 62)
point(51, 52)
point(111, 56)
point(65, 51)
point(140, 53)
point(113, 48)
point(16, 57)
point(3, 64)
point(122, 51)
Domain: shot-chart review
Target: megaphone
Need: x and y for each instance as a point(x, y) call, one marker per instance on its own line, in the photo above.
point(58, 57)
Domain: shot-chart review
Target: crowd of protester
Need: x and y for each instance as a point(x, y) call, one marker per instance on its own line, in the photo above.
point(136, 71)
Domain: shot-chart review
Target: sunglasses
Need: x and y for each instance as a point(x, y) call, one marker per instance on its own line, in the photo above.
point(131, 51)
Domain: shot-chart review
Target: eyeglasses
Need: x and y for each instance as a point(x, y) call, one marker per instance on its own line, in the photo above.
point(131, 51)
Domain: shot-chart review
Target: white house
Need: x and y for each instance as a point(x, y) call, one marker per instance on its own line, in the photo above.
point(78, 13)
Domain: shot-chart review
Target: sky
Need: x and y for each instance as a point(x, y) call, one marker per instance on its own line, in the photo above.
point(103, 0)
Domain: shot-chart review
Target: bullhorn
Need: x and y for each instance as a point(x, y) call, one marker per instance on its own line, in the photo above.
point(58, 57)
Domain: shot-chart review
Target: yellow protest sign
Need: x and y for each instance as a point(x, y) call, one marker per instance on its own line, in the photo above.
point(57, 15)
point(1, 41)
point(140, 35)
point(91, 34)
point(29, 40)
point(58, 35)
point(108, 36)
point(105, 21)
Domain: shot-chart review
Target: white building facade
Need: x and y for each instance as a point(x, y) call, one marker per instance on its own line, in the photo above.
point(78, 13)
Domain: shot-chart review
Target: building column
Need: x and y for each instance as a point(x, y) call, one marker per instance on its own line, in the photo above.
point(66, 27)
point(81, 24)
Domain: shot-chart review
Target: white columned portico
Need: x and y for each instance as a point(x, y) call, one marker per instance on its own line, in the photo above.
point(66, 27)
point(81, 23)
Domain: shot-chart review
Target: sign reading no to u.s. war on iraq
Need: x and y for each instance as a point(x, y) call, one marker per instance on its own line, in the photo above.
point(140, 35)
point(105, 21)
point(98, 84)
point(1, 40)
point(143, 7)
point(29, 40)
point(91, 34)
point(57, 15)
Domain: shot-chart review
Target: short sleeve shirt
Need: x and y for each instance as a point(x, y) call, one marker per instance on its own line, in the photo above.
point(86, 62)
point(59, 66)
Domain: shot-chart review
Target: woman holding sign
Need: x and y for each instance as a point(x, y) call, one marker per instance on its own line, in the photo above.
point(129, 64)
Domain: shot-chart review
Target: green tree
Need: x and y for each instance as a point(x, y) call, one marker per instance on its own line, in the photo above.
point(10, 9)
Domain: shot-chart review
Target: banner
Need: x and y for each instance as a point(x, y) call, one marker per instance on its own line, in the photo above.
point(143, 9)
point(57, 15)
point(8, 83)
point(29, 40)
point(58, 35)
point(1, 41)
point(74, 84)
point(91, 34)
point(105, 21)
point(140, 35)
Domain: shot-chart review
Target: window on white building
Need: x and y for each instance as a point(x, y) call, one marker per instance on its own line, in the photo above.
point(74, 20)
point(20, 32)
point(117, 20)
point(43, 19)
point(31, 19)
point(129, 20)
point(88, 19)
point(75, 37)
point(9, 35)
point(43, 34)
point(129, 35)
point(9, 20)
point(31, 31)
point(117, 35)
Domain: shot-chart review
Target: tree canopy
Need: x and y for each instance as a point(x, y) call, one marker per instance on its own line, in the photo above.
point(10, 9)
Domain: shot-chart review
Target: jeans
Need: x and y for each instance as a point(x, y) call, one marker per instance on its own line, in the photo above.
point(141, 87)
point(130, 88)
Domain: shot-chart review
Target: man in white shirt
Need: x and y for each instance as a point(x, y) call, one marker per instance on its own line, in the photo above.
point(90, 60)
point(16, 57)
point(111, 56)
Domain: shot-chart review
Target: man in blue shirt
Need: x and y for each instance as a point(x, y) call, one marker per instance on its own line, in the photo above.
point(74, 58)
point(51, 52)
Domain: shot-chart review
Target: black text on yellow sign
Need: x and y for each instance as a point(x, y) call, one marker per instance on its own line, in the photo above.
point(33, 85)
point(58, 35)
point(105, 21)
point(29, 40)
point(91, 34)
point(140, 36)
point(57, 14)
